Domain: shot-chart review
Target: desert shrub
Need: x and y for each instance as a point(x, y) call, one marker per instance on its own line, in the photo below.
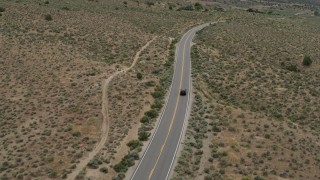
point(171, 6)
point(198, 6)
point(20, 176)
point(94, 163)
point(133, 144)
point(157, 104)
point(149, 3)
point(151, 83)
point(258, 178)
point(48, 17)
point(223, 163)
point(307, 61)
point(4, 166)
point(316, 13)
point(76, 134)
point(47, 132)
point(81, 174)
point(120, 176)
point(139, 75)
point(2, 9)
point(267, 136)
point(143, 135)
point(218, 8)
point(126, 162)
point(219, 154)
point(254, 10)
point(186, 8)
point(292, 68)
point(66, 8)
point(158, 93)
point(104, 170)
point(145, 119)
point(120, 167)
point(151, 113)
point(53, 174)
point(216, 129)
point(50, 159)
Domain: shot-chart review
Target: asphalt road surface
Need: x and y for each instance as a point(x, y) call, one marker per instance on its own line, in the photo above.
point(157, 161)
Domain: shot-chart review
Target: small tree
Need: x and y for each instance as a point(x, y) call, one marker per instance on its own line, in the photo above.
point(307, 61)
point(48, 17)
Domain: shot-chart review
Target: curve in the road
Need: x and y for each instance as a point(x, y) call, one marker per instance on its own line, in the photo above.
point(159, 156)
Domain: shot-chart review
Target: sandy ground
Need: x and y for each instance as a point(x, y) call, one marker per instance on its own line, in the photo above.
point(105, 124)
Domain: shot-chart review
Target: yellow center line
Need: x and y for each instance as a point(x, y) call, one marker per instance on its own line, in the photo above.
point(175, 111)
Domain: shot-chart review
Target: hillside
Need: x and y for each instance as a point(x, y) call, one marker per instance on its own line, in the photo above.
point(55, 59)
point(88, 78)
point(255, 114)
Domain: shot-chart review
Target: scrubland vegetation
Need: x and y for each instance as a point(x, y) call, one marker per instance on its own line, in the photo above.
point(255, 114)
point(255, 110)
point(55, 56)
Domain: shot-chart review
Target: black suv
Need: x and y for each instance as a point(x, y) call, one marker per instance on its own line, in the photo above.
point(183, 92)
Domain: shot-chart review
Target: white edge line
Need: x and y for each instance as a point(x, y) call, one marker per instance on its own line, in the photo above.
point(188, 108)
point(145, 152)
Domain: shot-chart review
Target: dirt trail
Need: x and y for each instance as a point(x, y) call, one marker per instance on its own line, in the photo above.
point(105, 124)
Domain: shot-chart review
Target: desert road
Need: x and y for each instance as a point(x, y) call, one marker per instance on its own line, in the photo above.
point(157, 161)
